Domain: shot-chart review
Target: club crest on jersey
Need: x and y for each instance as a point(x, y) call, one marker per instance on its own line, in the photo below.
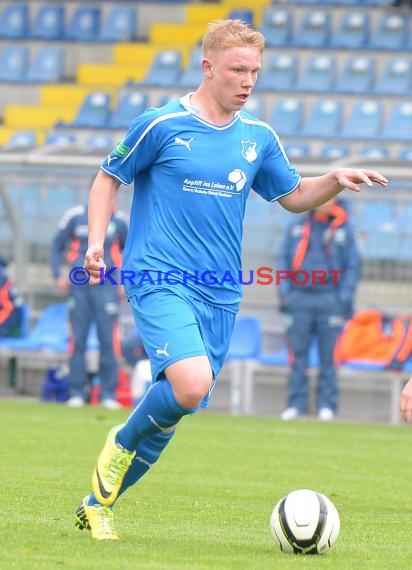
point(249, 150)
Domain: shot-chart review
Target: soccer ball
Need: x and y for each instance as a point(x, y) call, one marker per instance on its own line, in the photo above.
point(305, 522)
point(238, 178)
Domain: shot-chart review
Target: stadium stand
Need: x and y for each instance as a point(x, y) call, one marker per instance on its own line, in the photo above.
point(309, 60)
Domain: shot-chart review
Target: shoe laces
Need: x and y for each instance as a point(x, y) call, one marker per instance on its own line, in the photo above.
point(106, 521)
point(119, 464)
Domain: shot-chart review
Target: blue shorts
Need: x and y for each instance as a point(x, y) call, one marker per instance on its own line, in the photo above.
point(174, 328)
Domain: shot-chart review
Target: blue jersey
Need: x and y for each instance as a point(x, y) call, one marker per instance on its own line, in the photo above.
point(192, 179)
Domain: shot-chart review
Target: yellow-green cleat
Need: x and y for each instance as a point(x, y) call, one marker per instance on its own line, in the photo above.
point(111, 468)
point(99, 519)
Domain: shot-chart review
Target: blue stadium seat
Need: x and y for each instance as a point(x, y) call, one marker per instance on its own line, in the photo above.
point(192, 75)
point(374, 152)
point(99, 141)
point(391, 32)
point(352, 31)
point(84, 25)
point(358, 75)
point(47, 66)
point(364, 120)
point(48, 23)
point(23, 139)
point(314, 29)
point(244, 15)
point(14, 21)
point(130, 106)
point(396, 77)
point(297, 150)
point(277, 27)
point(324, 120)
point(286, 117)
point(119, 25)
point(334, 151)
point(318, 75)
point(256, 107)
point(376, 215)
point(245, 345)
point(94, 112)
point(405, 153)
point(164, 70)
point(279, 73)
point(60, 139)
point(404, 218)
point(398, 125)
point(13, 63)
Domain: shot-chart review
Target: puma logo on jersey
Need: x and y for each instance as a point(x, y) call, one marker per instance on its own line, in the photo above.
point(163, 351)
point(178, 140)
point(110, 158)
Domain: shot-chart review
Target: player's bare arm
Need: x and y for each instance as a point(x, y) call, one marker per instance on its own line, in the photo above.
point(102, 200)
point(314, 191)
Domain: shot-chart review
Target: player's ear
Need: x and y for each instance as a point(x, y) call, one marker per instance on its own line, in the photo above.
point(207, 68)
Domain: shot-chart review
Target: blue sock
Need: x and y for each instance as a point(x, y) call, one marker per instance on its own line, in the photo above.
point(157, 411)
point(147, 453)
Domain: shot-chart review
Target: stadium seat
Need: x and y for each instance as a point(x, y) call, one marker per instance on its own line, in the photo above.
point(84, 25)
point(374, 152)
point(100, 142)
point(256, 107)
point(245, 345)
point(23, 139)
point(352, 31)
point(277, 27)
point(391, 32)
point(130, 106)
point(396, 77)
point(47, 66)
point(324, 120)
point(13, 63)
point(165, 70)
point(318, 75)
point(364, 120)
point(376, 215)
point(403, 221)
point(60, 139)
point(245, 15)
point(279, 74)
point(358, 75)
point(94, 112)
point(405, 154)
point(334, 151)
point(14, 21)
point(48, 23)
point(192, 75)
point(398, 125)
point(286, 117)
point(313, 30)
point(297, 150)
point(119, 25)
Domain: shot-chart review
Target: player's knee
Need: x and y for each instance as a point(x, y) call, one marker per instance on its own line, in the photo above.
point(192, 388)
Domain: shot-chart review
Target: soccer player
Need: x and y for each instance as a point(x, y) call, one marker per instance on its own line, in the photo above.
point(405, 402)
point(90, 304)
point(193, 163)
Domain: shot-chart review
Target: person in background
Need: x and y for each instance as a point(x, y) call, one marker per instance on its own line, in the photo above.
point(319, 241)
point(90, 304)
point(193, 163)
point(405, 401)
point(11, 305)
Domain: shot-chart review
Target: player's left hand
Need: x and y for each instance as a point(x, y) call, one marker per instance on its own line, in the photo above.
point(352, 177)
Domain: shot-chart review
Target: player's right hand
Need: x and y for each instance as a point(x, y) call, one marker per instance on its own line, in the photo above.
point(94, 263)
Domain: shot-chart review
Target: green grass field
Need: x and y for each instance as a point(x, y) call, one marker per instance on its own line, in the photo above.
point(207, 503)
